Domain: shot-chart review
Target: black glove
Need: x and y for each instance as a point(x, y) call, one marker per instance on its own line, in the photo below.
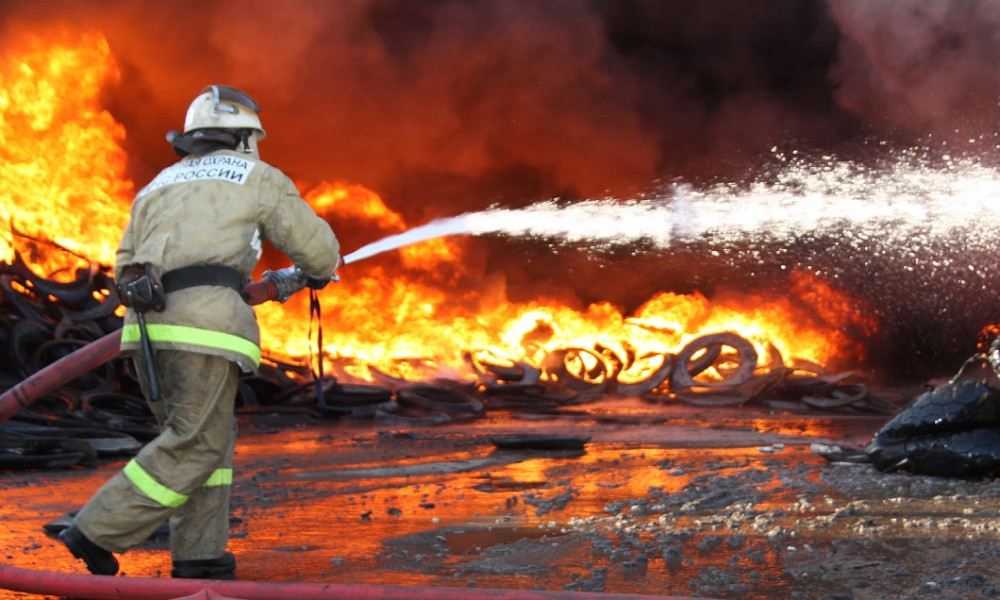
point(316, 284)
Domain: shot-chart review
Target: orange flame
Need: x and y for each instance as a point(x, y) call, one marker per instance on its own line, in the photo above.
point(62, 180)
point(61, 162)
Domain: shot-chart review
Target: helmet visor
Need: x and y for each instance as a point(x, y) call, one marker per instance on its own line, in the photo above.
point(230, 94)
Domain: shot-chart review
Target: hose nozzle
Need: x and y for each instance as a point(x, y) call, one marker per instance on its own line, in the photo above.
point(287, 281)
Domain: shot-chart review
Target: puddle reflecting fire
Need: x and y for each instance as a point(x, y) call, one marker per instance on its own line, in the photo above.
point(727, 510)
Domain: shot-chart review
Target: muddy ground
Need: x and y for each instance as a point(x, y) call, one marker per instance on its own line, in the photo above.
point(737, 503)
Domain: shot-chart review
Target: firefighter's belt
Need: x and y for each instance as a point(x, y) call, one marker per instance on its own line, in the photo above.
point(195, 275)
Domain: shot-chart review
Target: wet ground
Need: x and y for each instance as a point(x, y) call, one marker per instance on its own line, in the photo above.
point(732, 503)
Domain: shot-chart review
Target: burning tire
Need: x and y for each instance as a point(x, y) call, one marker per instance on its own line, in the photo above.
point(579, 369)
point(647, 385)
point(493, 373)
point(704, 352)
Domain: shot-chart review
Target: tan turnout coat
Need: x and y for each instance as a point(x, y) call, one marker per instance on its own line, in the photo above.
point(228, 204)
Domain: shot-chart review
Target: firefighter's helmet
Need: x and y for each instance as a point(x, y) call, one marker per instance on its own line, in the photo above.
point(223, 107)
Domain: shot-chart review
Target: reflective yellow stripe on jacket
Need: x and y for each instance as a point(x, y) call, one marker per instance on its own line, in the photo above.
point(164, 495)
point(193, 335)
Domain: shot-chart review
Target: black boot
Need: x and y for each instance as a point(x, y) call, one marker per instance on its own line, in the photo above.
point(99, 561)
point(209, 568)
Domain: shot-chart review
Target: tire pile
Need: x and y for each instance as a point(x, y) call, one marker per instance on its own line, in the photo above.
point(102, 413)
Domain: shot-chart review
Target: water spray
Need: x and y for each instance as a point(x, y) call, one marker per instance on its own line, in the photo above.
point(905, 205)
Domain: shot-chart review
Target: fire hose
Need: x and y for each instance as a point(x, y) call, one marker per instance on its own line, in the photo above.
point(99, 587)
point(275, 285)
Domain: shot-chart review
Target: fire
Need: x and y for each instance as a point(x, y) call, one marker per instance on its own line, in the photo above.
point(811, 320)
point(354, 201)
point(63, 183)
point(61, 162)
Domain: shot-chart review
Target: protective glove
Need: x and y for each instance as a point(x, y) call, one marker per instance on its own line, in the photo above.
point(316, 284)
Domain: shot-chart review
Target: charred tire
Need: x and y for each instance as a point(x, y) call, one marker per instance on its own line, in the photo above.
point(585, 379)
point(683, 377)
point(647, 385)
point(440, 399)
point(350, 395)
point(397, 414)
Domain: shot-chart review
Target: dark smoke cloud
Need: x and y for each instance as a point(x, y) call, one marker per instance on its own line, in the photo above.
point(929, 66)
point(444, 105)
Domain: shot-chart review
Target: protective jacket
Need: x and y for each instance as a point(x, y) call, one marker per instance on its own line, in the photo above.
point(211, 209)
point(228, 204)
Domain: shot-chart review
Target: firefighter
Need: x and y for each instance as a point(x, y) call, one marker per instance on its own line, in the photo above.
point(194, 236)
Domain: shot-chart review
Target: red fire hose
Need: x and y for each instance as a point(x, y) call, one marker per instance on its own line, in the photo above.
point(92, 355)
point(101, 587)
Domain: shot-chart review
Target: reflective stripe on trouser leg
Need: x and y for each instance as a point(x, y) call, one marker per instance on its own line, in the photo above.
point(197, 436)
point(200, 529)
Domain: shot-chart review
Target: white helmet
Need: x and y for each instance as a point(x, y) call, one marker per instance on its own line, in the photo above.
point(223, 107)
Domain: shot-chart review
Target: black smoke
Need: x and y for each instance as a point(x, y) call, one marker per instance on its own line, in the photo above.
point(485, 101)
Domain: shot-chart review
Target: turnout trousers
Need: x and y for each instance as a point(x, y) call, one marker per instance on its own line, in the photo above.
point(185, 473)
